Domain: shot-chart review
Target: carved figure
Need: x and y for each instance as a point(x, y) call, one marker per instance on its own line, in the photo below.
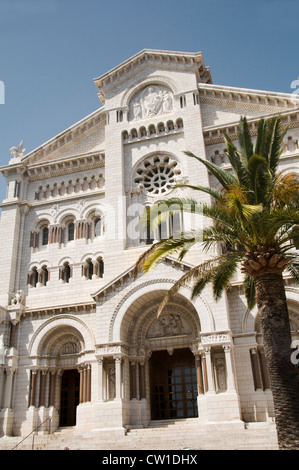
point(18, 298)
point(137, 110)
point(152, 101)
point(18, 152)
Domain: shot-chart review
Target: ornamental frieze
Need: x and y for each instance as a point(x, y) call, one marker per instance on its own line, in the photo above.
point(217, 338)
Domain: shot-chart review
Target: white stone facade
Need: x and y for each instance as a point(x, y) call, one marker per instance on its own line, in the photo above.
point(79, 339)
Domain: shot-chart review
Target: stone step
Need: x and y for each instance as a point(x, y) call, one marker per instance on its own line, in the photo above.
point(164, 435)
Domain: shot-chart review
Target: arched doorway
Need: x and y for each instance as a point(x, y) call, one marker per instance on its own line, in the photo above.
point(61, 379)
point(173, 385)
point(69, 397)
point(162, 367)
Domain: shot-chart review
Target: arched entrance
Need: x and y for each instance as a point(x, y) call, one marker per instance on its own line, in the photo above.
point(161, 364)
point(69, 397)
point(173, 385)
point(61, 379)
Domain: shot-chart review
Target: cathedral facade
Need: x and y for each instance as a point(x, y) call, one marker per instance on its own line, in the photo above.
point(80, 342)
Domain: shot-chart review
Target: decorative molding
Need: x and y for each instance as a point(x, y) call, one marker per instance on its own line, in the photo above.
point(214, 134)
point(159, 58)
point(74, 164)
point(216, 338)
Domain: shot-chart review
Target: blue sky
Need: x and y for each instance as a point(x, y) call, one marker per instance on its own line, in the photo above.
point(52, 49)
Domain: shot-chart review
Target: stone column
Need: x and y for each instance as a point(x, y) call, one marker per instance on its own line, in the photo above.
point(42, 401)
point(142, 379)
point(81, 386)
point(118, 381)
point(133, 379)
point(84, 385)
point(88, 383)
point(100, 378)
point(211, 386)
point(229, 367)
point(204, 371)
point(199, 375)
point(264, 369)
point(52, 387)
point(255, 369)
point(33, 388)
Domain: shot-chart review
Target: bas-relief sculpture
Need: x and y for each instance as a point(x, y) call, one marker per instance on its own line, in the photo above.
point(151, 101)
point(167, 325)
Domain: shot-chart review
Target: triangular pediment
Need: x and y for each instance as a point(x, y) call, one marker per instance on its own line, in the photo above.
point(152, 57)
point(128, 275)
point(82, 142)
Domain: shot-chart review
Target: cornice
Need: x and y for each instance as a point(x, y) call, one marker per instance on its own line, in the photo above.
point(152, 56)
point(270, 99)
point(214, 134)
point(128, 274)
point(59, 143)
point(64, 166)
point(61, 309)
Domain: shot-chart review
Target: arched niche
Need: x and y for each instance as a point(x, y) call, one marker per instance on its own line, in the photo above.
point(59, 335)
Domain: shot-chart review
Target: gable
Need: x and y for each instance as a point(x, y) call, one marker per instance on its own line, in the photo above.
point(128, 276)
point(147, 58)
point(85, 137)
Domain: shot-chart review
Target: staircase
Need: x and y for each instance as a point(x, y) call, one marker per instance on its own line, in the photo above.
point(160, 435)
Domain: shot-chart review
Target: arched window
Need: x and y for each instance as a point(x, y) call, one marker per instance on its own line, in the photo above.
point(87, 269)
point(45, 236)
point(70, 231)
point(100, 267)
point(33, 277)
point(65, 272)
point(98, 227)
point(44, 275)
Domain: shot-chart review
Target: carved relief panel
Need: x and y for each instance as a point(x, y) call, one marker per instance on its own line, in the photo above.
point(168, 325)
point(151, 101)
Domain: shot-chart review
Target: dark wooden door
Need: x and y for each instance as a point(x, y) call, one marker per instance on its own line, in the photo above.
point(70, 385)
point(173, 385)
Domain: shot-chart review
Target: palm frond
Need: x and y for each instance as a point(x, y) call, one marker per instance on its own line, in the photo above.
point(164, 249)
point(249, 291)
point(260, 141)
point(225, 178)
point(211, 191)
point(223, 273)
point(246, 145)
point(201, 273)
point(293, 269)
point(277, 135)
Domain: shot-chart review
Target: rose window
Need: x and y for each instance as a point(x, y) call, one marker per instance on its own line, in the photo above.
point(157, 174)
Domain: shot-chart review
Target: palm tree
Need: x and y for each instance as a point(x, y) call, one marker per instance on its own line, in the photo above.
point(255, 216)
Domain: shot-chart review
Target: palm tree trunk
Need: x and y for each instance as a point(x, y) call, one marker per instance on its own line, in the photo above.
point(284, 379)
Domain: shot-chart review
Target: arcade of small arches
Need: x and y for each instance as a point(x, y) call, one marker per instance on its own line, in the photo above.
point(68, 230)
point(153, 130)
point(91, 268)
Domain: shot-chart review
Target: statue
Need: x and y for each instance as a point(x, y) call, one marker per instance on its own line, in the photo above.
point(18, 298)
point(17, 152)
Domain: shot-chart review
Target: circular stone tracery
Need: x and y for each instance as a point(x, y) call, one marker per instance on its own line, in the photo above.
point(157, 174)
